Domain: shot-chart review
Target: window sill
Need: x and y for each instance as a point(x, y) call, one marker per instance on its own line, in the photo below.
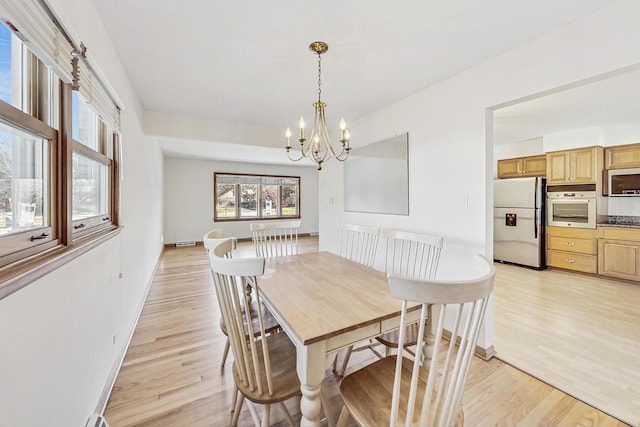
point(17, 276)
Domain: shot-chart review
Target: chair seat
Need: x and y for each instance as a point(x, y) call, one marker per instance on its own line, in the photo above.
point(270, 323)
point(282, 355)
point(375, 381)
point(391, 339)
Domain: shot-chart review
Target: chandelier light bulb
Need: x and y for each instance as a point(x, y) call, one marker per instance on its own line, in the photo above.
point(287, 134)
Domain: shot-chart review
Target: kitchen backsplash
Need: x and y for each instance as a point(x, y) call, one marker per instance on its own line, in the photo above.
point(624, 206)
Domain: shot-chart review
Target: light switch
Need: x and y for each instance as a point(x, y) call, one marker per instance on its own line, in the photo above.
point(464, 201)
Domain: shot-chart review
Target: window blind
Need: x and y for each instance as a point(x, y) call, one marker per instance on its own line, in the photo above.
point(253, 179)
point(36, 27)
point(32, 24)
point(95, 94)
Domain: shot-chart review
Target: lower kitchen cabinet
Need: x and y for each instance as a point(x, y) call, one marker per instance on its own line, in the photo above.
point(619, 253)
point(573, 261)
point(573, 248)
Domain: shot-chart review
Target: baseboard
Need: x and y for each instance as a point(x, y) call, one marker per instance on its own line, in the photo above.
point(242, 239)
point(483, 353)
point(113, 374)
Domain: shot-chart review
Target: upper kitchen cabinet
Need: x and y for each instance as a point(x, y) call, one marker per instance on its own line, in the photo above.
point(622, 156)
point(579, 166)
point(522, 166)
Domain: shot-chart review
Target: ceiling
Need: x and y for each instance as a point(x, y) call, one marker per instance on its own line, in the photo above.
point(248, 63)
point(608, 102)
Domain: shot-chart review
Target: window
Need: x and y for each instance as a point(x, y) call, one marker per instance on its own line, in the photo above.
point(250, 197)
point(58, 152)
point(28, 147)
point(91, 168)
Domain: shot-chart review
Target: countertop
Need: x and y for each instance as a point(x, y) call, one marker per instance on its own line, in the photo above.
point(620, 221)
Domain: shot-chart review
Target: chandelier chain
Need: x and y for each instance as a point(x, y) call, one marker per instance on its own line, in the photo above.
point(319, 75)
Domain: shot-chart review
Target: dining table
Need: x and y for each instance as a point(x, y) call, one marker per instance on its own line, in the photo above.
point(324, 303)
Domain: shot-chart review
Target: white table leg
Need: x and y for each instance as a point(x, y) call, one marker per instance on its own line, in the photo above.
point(310, 364)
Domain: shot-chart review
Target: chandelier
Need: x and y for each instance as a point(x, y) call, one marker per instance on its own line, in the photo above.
point(318, 147)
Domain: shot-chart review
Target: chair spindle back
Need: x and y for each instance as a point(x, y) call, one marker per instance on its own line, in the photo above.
point(359, 243)
point(273, 239)
point(411, 254)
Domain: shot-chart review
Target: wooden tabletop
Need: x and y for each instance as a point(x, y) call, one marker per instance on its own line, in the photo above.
point(320, 295)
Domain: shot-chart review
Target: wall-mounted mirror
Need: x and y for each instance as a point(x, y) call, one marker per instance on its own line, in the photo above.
point(376, 177)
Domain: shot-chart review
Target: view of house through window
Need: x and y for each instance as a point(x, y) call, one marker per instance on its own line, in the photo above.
point(238, 197)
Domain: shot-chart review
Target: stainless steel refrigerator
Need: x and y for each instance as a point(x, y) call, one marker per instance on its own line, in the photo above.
point(519, 221)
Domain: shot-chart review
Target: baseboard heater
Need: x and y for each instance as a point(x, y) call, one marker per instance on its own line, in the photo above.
point(185, 243)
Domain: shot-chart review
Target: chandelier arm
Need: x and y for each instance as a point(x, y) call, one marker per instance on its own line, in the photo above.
point(327, 140)
point(302, 156)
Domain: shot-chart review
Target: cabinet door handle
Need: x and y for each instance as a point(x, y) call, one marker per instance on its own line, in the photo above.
point(570, 261)
point(570, 244)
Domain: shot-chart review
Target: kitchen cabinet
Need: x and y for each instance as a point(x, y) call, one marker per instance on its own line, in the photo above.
point(573, 248)
point(619, 252)
point(579, 166)
point(622, 156)
point(522, 166)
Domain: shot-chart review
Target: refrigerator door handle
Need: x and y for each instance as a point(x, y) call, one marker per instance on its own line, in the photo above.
point(535, 211)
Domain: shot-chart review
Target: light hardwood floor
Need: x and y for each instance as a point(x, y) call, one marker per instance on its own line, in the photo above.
point(171, 375)
point(577, 332)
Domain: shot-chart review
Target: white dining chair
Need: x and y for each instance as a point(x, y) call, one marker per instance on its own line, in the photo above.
point(399, 391)
point(211, 240)
point(412, 255)
point(275, 238)
point(264, 365)
point(357, 243)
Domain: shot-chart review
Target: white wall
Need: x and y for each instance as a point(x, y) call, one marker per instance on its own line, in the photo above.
point(530, 147)
point(56, 334)
point(451, 162)
point(575, 138)
point(188, 203)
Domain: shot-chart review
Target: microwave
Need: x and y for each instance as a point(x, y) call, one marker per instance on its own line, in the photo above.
point(624, 182)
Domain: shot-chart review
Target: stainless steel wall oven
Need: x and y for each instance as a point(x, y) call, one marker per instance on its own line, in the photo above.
point(571, 206)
